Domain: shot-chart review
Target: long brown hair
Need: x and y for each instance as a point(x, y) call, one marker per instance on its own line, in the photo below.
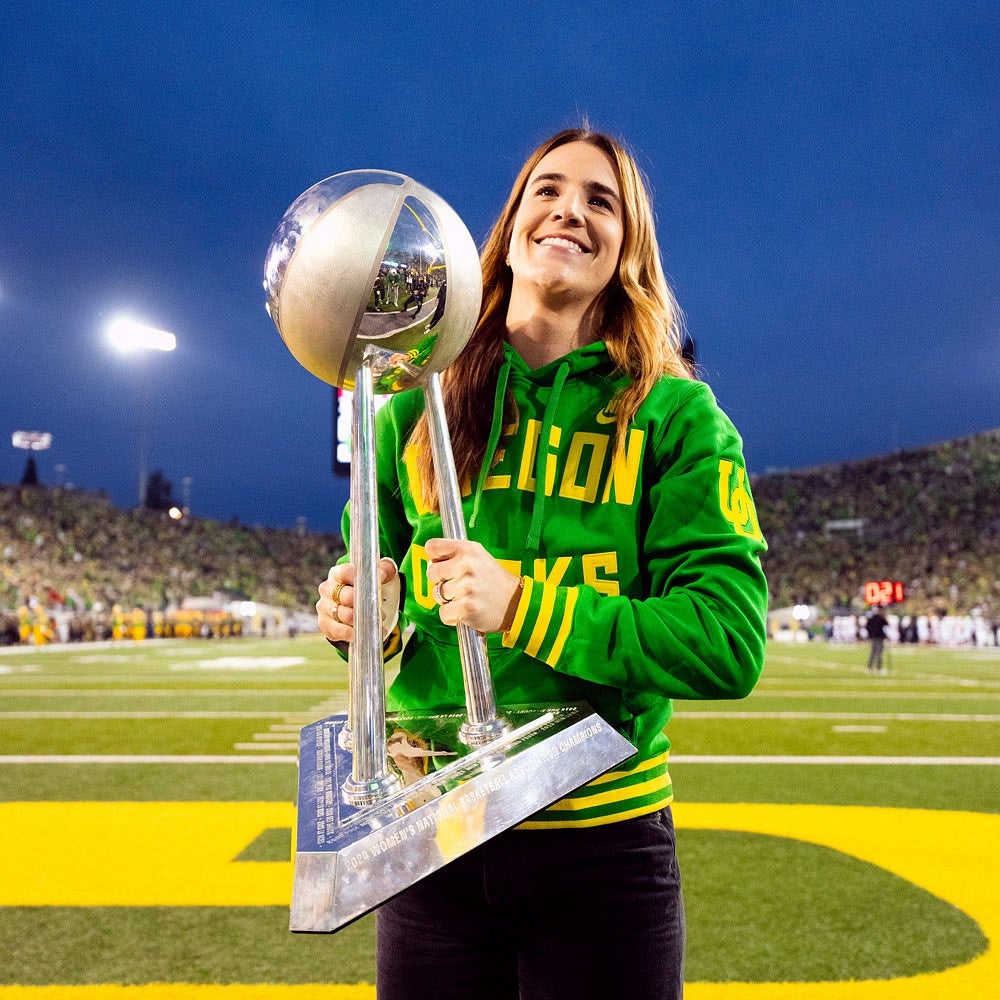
point(642, 323)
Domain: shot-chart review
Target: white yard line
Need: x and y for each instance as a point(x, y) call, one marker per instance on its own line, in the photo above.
point(674, 759)
point(132, 677)
point(324, 711)
point(768, 692)
point(881, 716)
point(259, 746)
point(894, 681)
point(148, 758)
point(143, 715)
point(828, 760)
point(334, 703)
point(859, 729)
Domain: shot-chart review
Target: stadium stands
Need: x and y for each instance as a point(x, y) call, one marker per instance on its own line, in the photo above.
point(929, 517)
point(64, 548)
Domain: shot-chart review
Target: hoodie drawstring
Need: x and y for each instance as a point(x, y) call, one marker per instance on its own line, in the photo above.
point(541, 456)
point(494, 439)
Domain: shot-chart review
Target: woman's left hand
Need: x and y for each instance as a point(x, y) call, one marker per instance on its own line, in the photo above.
point(471, 586)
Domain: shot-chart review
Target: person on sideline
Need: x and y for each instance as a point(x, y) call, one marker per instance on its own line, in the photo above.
point(876, 625)
point(613, 557)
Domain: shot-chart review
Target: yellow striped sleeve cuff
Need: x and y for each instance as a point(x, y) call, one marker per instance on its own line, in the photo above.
point(543, 620)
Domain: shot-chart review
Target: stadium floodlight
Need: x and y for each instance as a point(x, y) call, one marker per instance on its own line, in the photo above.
point(131, 337)
point(128, 335)
point(31, 440)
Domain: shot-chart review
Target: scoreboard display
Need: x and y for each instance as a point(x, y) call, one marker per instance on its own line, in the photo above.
point(882, 592)
point(343, 406)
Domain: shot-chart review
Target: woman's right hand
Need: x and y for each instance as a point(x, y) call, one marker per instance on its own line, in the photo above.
point(335, 607)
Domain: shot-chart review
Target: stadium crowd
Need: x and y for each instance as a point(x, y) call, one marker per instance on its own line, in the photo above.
point(72, 565)
point(928, 517)
point(933, 629)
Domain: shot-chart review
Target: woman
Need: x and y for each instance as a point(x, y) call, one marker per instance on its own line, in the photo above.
point(613, 557)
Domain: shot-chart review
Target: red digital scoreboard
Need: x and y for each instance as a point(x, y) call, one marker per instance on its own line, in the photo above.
point(884, 592)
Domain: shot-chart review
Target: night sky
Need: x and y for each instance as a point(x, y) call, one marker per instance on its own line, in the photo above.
point(826, 178)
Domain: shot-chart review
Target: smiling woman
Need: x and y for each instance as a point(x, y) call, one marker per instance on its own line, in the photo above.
point(613, 558)
point(564, 251)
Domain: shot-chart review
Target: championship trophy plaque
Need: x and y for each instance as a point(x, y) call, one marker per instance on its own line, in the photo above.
point(374, 284)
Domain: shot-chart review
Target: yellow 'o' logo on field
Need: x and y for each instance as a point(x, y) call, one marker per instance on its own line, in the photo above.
point(183, 854)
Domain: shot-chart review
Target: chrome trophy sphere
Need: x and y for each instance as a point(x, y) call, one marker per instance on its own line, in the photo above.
point(369, 266)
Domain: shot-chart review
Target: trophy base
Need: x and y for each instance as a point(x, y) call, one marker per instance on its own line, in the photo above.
point(453, 797)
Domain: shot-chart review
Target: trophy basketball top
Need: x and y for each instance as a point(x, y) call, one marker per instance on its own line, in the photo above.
point(369, 266)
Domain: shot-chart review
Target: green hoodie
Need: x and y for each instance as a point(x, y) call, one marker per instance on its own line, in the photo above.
point(642, 577)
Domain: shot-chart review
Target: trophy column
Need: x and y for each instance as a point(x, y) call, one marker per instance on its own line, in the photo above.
point(370, 780)
point(482, 725)
point(385, 800)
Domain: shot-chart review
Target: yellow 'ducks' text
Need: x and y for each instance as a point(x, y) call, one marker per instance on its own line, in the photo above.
point(598, 571)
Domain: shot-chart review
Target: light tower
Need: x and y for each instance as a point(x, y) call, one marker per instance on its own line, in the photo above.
point(130, 337)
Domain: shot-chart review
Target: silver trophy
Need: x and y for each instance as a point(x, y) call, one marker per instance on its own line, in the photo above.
point(374, 284)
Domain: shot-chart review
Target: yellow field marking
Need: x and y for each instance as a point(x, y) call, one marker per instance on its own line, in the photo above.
point(181, 854)
point(190, 991)
point(950, 854)
point(139, 854)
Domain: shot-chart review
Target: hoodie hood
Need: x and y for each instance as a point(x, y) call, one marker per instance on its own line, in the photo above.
point(554, 374)
point(583, 359)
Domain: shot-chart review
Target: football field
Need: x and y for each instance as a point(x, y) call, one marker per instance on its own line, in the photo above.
point(838, 832)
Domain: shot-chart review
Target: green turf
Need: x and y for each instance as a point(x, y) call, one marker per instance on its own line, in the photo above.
point(689, 734)
point(765, 909)
point(120, 736)
point(897, 786)
point(272, 844)
point(773, 910)
point(918, 667)
point(226, 944)
point(807, 736)
point(759, 908)
point(148, 782)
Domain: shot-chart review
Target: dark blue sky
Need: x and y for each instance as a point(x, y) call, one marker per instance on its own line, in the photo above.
point(825, 174)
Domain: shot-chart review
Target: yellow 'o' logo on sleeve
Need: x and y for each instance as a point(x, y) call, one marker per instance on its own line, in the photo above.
point(735, 500)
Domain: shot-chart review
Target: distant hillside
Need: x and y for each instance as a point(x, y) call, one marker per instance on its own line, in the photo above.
point(930, 517)
point(57, 543)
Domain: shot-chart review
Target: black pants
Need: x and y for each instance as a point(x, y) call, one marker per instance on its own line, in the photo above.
point(875, 655)
point(542, 915)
